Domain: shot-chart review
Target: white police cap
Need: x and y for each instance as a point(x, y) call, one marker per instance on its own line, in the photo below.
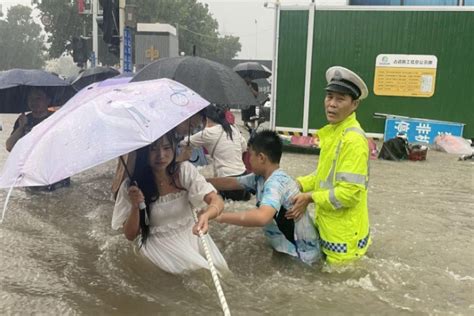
point(345, 81)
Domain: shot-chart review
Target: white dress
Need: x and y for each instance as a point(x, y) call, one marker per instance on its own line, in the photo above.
point(171, 244)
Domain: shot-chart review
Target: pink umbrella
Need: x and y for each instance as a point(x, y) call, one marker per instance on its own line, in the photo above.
point(97, 125)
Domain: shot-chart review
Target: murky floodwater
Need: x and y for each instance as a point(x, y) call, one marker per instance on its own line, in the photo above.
point(59, 256)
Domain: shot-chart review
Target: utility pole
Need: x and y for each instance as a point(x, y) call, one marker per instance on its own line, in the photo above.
point(276, 31)
point(256, 39)
point(95, 33)
point(121, 32)
point(84, 45)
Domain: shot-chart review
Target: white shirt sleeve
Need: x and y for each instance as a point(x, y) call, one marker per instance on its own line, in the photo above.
point(199, 139)
point(194, 183)
point(243, 141)
point(122, 206)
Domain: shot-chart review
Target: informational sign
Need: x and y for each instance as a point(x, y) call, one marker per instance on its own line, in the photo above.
point(150, 47)
point(127, 50)
point(420, 130)
point(152, 53)
point(405, 75)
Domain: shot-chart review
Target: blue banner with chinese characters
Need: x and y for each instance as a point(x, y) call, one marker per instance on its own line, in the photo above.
point(420, 130)
point(127, 50)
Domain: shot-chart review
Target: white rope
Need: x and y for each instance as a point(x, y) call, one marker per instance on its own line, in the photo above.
point(215, 277)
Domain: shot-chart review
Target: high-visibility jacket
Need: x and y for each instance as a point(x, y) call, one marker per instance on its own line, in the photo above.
point(339, 191)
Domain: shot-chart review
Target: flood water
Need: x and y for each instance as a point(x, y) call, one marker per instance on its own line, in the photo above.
point(59, 255)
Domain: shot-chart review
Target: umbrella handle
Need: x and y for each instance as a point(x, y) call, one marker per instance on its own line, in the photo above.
point(126, 169)
point(141, 205)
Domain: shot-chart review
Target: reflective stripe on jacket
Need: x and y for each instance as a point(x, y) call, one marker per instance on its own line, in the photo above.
point(339, 187)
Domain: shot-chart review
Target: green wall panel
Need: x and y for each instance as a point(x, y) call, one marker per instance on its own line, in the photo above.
point(291, 68)
point(353, 39)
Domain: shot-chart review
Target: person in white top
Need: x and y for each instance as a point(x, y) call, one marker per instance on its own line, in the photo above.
point(195, 122)
point(166, 227)
point(225, 145)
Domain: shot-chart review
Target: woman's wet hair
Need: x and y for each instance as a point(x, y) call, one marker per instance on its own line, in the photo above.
point(217, 114)
point(267, 142)
point(144, 177)
point(202, 114)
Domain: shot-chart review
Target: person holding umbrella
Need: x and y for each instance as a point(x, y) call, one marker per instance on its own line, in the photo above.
point(250, 71)
point(170, 190)
point(250, 112)
point(38, 102)
point(190, 126)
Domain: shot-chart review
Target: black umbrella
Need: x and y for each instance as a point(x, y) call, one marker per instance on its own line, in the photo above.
point(71, 79)
point(252, 70)
point(92, 75)
point(16, 83)
point(215, 82)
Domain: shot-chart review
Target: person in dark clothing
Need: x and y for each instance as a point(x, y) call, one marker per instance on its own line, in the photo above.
point(248, 113)
point(38, 102)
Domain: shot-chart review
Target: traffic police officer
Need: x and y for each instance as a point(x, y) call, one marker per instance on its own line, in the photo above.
point(338, 187)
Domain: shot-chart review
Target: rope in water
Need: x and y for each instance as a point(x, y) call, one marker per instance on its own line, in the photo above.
point(215, 277)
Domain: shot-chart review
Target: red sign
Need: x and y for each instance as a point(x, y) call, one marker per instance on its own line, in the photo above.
point(81, 6)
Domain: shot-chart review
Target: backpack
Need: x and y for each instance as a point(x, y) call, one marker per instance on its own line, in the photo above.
point(395, 149)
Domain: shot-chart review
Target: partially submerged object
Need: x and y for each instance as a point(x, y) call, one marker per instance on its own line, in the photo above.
point(453, 145)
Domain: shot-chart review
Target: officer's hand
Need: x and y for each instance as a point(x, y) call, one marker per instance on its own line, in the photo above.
point(300, 203)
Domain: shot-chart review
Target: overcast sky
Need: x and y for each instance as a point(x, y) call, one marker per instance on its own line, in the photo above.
point(252, 22)
point(247, 19)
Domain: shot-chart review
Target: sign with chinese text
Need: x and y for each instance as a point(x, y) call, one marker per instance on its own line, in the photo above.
point(405, 75)
point(152, 53)
point(150, 47)
point(420, 130)
point(127, 50)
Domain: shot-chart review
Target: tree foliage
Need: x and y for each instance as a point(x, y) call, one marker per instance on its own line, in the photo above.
point(194, 22)
point(195, 25)
point(66, 23)
point(21, 42)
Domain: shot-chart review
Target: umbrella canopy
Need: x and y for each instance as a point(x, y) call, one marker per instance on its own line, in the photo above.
point(252, 70)
point(71, 78)
point(97, 125)
point(215, 82)
point(126, 75)
point(92, 75)
point(16, 83)
point(114, 80)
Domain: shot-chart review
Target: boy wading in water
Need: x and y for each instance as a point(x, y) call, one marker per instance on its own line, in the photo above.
point(290, 233)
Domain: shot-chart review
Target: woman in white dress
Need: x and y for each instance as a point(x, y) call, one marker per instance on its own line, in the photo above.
point(225, 145)
point(170, 190)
